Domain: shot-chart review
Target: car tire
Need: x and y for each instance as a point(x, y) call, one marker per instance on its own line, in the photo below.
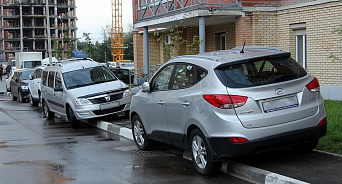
point(32, 102)
point(202, 156)
point(46, 111)
point(139, 134)
point(72, 119)
point(305, 147)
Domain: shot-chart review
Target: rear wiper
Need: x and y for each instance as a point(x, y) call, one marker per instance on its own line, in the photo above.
point(285, 77)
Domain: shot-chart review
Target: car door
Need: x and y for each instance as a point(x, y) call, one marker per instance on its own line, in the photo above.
point(178, 100)
point(35, 83)
point(153, 111)
point(58, 95)
point(49, 91)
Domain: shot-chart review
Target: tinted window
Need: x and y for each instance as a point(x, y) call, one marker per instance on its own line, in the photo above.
point(51, 79)
point(58, 81)
point(44, 77)
point(87, 76)
point(184, 76)
point(162, 79)
point(260, 72)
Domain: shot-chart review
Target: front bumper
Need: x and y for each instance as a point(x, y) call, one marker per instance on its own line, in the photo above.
point(222, 147)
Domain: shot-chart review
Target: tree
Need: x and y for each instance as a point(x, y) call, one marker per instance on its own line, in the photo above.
point(89, 48)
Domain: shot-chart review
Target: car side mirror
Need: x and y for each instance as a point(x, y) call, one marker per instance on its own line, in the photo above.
point(30, 77)
point(58, 89)
point(146, 87)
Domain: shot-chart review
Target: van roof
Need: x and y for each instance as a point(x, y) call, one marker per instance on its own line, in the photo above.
point(67, 66)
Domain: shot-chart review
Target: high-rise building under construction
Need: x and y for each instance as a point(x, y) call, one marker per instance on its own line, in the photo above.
point(25, 25)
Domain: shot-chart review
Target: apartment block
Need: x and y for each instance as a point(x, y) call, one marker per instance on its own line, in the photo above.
point(303, 27)
point(24, 26)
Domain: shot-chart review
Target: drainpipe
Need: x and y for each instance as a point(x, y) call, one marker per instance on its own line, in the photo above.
point(202, 34)
point(146, 58)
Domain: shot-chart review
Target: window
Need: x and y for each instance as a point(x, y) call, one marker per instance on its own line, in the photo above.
point(222, 41)
point(44, 76)
point(300, 37)
point(58, 81)
point(162, 79)
point(184, 76)
point(51, 79)
point(37, 74)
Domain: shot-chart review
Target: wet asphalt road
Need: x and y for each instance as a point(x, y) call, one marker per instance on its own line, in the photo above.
point(36, 150)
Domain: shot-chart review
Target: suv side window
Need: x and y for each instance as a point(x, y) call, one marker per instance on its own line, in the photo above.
point(58, 81)
point(184, 76)
point(51, 79)
point(44, 77)
point(162, 79)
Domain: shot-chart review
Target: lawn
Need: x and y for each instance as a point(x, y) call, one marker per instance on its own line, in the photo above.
point(332, 142)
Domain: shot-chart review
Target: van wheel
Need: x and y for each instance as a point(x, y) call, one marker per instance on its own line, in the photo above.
point(72, 119)
point(139, 134)
point(202, 157)
point(46, 111)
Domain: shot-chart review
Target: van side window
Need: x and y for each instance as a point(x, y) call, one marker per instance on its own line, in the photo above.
point(44, 78)
point(51, 79)
point(58, 81)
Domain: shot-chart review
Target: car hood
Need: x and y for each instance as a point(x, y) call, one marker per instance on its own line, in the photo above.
point(98, 88)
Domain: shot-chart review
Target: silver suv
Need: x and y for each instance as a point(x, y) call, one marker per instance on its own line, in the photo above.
point(229, 103)
point(82, 89)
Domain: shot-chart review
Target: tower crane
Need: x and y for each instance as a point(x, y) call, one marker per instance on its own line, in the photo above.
point(116, 32)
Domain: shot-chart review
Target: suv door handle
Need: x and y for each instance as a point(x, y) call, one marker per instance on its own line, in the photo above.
point(161, 102)
point(186, 103)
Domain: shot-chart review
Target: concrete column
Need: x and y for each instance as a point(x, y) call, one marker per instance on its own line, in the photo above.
point(146, 58)
point(202, 34)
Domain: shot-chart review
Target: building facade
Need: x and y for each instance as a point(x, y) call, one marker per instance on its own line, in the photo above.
point(24, 26)
point(303, 27)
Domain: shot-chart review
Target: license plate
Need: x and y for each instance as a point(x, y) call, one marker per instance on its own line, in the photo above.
point(280, 104)
point(109, 105)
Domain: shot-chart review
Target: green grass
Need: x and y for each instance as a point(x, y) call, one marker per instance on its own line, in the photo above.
point(332, 141)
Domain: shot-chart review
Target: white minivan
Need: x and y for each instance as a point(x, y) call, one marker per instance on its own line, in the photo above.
point(82, 89)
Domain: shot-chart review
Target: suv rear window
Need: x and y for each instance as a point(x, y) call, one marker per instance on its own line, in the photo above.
point(261, 71)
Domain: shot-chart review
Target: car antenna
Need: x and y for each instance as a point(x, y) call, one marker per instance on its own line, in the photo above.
point(243, 47)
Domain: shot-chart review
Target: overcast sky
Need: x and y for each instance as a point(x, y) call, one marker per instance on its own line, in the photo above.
point(94, 15)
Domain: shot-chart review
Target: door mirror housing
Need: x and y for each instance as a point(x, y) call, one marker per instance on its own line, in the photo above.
point(146, 87)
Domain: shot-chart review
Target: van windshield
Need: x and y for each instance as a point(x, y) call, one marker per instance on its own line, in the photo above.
point(261, 71)
point(87, 76)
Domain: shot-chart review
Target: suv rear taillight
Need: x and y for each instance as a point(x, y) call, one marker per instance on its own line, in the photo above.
point(226, 101)
point(313, 86)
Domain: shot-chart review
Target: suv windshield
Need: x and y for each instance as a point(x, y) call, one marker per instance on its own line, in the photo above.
point(261, 71)
point(87, 76)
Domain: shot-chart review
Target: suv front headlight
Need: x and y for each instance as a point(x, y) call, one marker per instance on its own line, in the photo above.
point(82, 101)
point(127, 93)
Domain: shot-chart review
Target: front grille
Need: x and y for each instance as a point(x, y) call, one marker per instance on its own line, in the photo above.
point(109, 111)
point(111, 97)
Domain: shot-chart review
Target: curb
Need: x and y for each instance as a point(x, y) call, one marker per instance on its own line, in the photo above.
point(244, 172)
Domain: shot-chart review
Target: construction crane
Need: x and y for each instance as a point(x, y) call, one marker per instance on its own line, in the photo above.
point(117, 36)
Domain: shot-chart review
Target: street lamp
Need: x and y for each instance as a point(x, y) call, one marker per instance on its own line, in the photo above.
point(60, 18)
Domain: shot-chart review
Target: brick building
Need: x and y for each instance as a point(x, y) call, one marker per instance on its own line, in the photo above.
point(303, 27)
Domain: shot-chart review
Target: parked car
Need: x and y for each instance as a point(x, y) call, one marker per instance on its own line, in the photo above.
point(82, 89)
point(19, 84)
point(230, 103)
point(8, 80)
point(34, 85)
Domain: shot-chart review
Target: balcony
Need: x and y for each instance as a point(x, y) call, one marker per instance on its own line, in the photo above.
point(148, 9)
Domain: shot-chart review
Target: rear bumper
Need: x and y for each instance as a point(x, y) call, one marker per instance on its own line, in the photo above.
point(222, 147)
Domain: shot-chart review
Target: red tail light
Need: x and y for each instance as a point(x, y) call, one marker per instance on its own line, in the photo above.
point(237, 139)
point(322, 122)
point(313, 86)
point(226, 101)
